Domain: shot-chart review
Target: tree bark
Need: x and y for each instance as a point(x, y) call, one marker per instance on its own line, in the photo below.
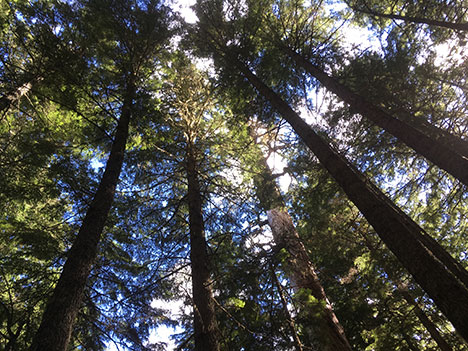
point(401, 235)
point(284, 304)
point(299, 266)
point(303, 276)
point(60, 313)
point(205, 324)
point(431, 148)
point(424, 319)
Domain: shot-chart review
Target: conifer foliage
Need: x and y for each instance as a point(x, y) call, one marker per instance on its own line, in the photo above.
point(137, 174)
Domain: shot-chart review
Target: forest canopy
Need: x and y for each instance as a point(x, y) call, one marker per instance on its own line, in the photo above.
point(288, 186)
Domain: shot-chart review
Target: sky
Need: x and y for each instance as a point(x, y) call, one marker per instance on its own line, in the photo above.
point(354, 38)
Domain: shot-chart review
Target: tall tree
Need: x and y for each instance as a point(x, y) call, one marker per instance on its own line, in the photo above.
point(445, 14)
point(374, 205)
point(298, 264)
point(138, 41)
point(190, 99)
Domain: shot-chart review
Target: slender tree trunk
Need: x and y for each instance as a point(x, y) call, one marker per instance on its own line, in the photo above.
point(284, 304)
point(424, 319)
point(205, 325)
point(401, 235)
point(60, 313)
point(421, 20)
point(433, 149)
point(403, 291)
point(299, 266)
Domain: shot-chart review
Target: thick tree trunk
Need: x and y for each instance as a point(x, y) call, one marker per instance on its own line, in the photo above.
point(436, 151)
point(401, 235)
point(205, 325)
point(58, 318)
point(414, 19)
point(299, 266)
point(454, 142)
point(303, 275)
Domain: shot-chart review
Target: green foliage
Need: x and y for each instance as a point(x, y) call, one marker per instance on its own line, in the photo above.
point(78, 57)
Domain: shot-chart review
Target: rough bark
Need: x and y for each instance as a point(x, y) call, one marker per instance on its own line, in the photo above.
point(431, 148)
point(303, 276)
point(205, 325)
point(401, 234)
point(415, 19)
point(61, 310)
point(300, 268)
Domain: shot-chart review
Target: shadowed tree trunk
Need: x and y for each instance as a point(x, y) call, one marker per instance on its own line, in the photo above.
point(61, 310)
point(424, 319)
point(402, 289)
point(205, 325)
point(399, 232)
point(284, 304)
point(299, 267)
point(448, 152)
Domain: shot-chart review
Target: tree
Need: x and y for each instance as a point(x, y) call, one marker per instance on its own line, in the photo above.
point(124, 167)
point(192, 102)
point(351, 180)
point(297, 263)
point(425, 144)
point(418, 243)
point(61, 310)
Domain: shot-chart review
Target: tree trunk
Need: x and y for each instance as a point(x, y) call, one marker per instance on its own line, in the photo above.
point(59, 316)
point(433, 149)
point(403, 291)
point(430, 327)
point(421, 20)
point(205, 325)
point(454, 142)
point(299, 266)
point(303, 275)
point(284, 304)
point(401, 235)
